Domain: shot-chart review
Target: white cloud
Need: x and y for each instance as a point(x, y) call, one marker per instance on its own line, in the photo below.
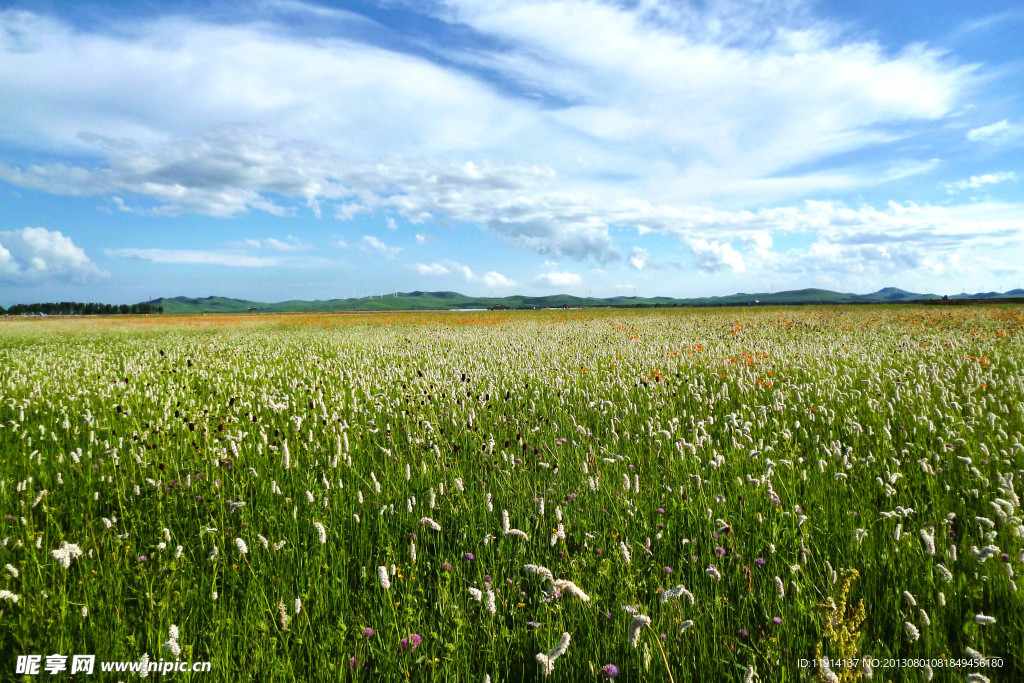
point(193, 257)
point(258, 72)
point(978, 181)
point(639, 258)
point(391, 224)
point(1002, 132)
point(716, 256)
point(33, 255)
point(431, 268)
point(289, 244)
point(688, 108)
point(497, 280)
point(341, 244)
point(491, 278)
point(372, 244)
point(556, 279)
point(745, 88)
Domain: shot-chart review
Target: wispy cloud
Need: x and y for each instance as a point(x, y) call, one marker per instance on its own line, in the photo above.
point(491, 278)
point(289, 244)
point(559, 279)
point(373, 245)
point(1000, 133)
point(193, 257)
point(978, 181)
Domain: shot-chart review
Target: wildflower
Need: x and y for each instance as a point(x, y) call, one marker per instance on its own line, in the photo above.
point(780, 588)
point(826, 673)
point(14, 572)
point(673, 593)
point(685, 625)
point(539, 570)
point(547, 666)
point(9, 596)
point(427, 521)
point(984, 620)
point(282, 614)
point(561, 648)
point(610, 670)
point(626, 556)
point(242, 547)
point(909, 598)
point(491, 606)
point(928, 537)
point(475, 593)
point(750, 675)
point(713, 572)
point(144, 664)
point(572, 589)
point(411, 643)
point(639, 622)
point(368, 632)
point(66, 553)
point(321, 532)
point(547, 661)
point(911, 631)
point(172, 645)
point(382, 574)
point(297, 607)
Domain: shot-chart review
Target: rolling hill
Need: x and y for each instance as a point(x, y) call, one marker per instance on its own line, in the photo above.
point(447, 300)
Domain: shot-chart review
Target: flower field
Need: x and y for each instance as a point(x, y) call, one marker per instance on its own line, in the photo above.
point(676, 495)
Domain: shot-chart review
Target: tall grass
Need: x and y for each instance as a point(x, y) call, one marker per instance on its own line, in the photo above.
point(789, 443)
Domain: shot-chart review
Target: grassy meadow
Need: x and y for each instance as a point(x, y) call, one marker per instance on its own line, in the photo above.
point(443, 496)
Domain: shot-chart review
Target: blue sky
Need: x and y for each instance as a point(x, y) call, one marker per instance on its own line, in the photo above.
point(286, 149)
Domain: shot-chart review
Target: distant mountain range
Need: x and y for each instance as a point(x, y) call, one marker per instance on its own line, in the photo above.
point(432, 301)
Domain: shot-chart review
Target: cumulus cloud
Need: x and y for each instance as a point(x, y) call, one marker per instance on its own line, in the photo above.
point(559, 279)
point(33, 255)
point(193, 257)
point(421, 238)
point(716, 256)
point(639, 258)
point(497, 280)
point(373, 245)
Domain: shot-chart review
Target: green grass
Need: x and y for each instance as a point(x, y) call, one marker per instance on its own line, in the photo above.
point(844, 414)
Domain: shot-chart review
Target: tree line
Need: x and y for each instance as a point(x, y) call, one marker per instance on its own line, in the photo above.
point(79, 308)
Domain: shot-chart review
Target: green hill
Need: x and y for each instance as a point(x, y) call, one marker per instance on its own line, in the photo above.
point(446, 301)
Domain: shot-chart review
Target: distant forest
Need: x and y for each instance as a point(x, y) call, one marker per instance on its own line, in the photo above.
point(78, 308)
